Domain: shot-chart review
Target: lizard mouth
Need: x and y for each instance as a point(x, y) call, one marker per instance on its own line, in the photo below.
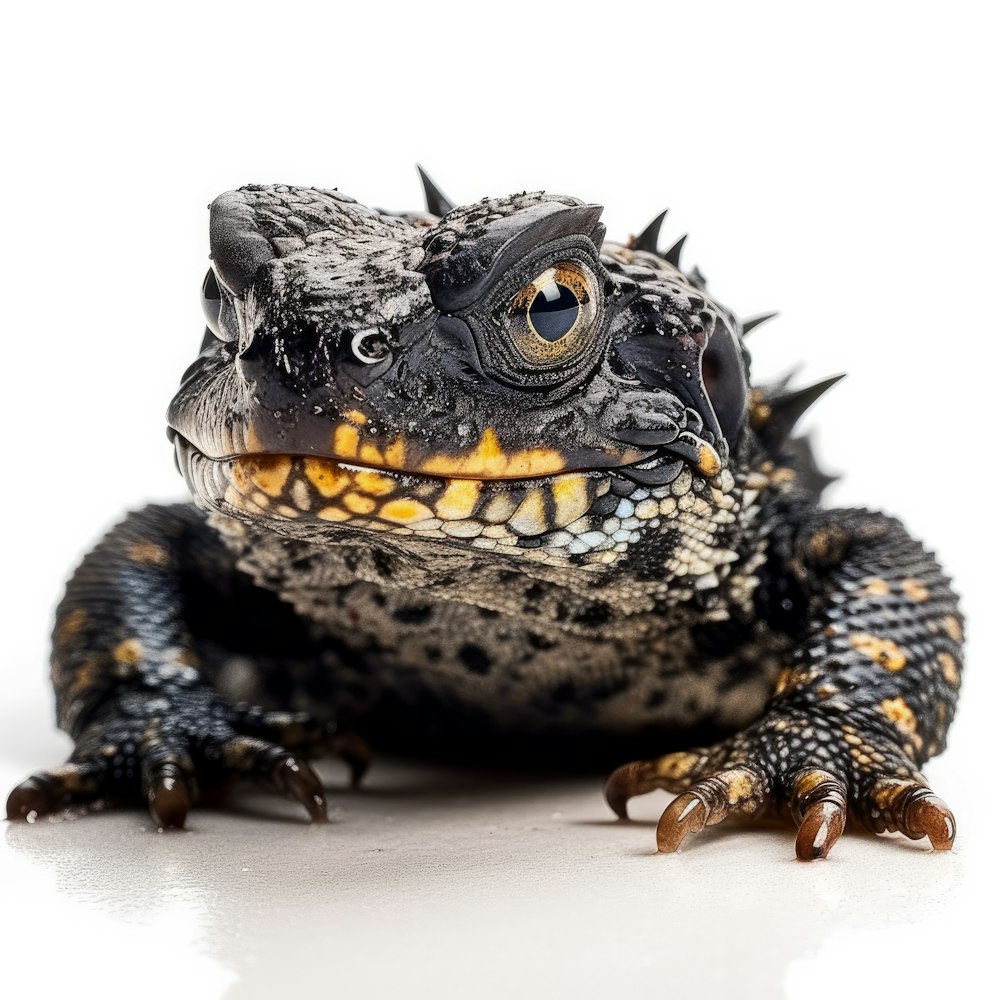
point(486, 511)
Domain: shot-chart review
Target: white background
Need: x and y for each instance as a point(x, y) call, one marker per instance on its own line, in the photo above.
point(837, 162)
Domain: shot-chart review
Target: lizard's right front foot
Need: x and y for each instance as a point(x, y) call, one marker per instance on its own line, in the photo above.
point(161, 749)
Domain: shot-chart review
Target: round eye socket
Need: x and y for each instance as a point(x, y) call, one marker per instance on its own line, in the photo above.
point(552, 316)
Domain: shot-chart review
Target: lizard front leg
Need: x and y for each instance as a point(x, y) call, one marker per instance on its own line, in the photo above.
point(864, 702)
point(133, 693)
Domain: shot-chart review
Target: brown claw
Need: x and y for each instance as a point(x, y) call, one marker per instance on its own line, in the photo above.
point(819, 830)
point(295, 779)
point(685, 816)
point(818, 802)
point(928, 816)
point(169, 798)
point(623, 783)
point(34, 797)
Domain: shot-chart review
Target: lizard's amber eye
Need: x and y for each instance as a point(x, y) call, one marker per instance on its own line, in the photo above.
point(550, 314)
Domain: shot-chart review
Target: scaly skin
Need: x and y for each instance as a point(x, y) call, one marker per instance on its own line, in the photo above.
point(862, 705)
point(485, 485)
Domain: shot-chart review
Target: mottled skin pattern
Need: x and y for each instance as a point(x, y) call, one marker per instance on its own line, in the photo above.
point(480, 483)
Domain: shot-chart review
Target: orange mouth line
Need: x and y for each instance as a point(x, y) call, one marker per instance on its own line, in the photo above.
point(291, 487)
point(485, 460)
point(264, 457)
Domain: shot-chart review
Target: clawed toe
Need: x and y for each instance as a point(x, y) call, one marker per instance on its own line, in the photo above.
point(738, 791)
point(818, 800)
point(930, 817)
point(272, 765)
point(48, 791)
point(685, 816)
point(626, 782)
point(32, 798)
point(169, 797)
point(297, 781)
point(670, 772)
point(820, 829)
point(818, 803)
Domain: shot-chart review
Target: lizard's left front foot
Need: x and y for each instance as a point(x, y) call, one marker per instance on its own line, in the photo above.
point(817, 771)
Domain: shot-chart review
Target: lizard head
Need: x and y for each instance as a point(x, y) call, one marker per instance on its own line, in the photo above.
point(497, 378)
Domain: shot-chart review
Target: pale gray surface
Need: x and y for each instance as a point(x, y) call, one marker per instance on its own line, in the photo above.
point(434, 882)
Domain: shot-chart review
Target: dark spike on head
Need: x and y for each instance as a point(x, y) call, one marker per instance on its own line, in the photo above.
point(649, 238)
point(787, 407)
point(437, 203)
point(755, 321)
point(673, 255)
point(697, 278)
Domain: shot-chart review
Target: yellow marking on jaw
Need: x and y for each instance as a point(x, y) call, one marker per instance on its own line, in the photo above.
point(404, 511)
point(358, 504)
point(253, 441)
point(499, 509)
point(333, 514)
point(571, 498)
point(486, 457)
point(458, 500)
point(709, 462)
point(395, 454)
point(529, 518)
point(345, 441)
point(877, 588)
point(915, 590)
point(356, 417)
point(268, 472)
point(488, 460)
point(882, 651)
point(370, 455)
point(535, 462)
point(240, 479)
point(374, 483)
point(328, 480)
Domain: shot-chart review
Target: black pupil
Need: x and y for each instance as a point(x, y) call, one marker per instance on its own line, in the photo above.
point(553, 311)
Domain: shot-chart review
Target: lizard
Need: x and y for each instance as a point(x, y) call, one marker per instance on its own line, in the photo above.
point(478, 481)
